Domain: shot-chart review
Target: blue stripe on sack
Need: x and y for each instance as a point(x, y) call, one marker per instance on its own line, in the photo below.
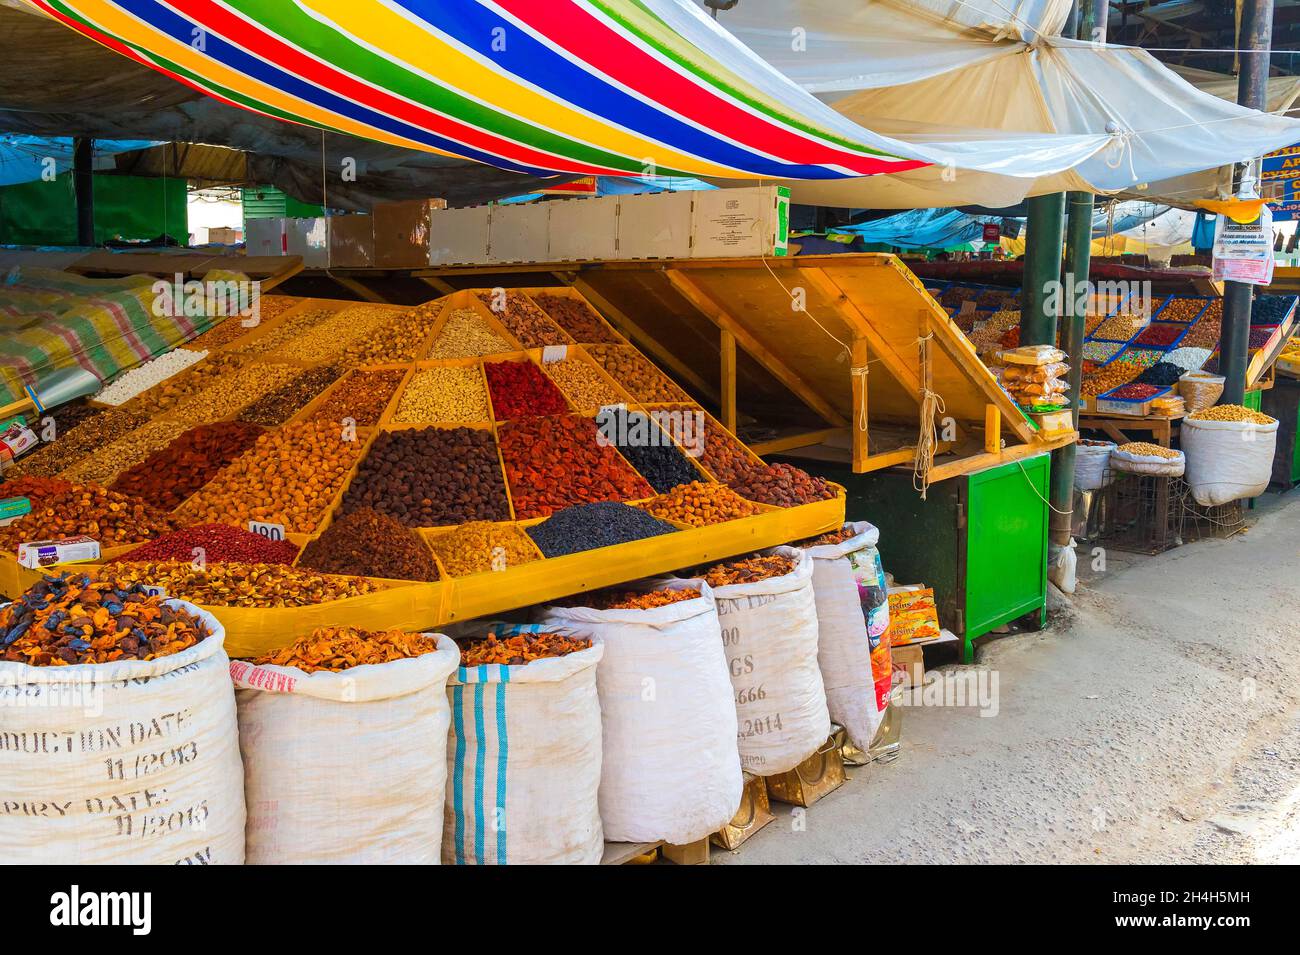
point(503, 748)
point(480, 753)
point(458, 776)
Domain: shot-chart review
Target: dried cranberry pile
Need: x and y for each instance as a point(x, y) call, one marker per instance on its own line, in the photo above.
point(519, 390)
point(217, 543)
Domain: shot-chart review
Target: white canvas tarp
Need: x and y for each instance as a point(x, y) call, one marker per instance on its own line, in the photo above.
point(928, 72)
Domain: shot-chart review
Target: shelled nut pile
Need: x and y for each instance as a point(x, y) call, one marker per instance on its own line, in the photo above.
point(452, 394)
point(467, 335)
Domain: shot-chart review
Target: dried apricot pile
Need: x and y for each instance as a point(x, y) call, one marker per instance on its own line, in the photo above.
point(520, 648)
point(76, 619)
point(633, 599)
point(748, 570)
point(332, 649)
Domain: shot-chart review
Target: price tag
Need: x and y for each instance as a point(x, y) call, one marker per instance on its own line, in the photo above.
point(554, 353)
point(274, 532)
point(154, 591)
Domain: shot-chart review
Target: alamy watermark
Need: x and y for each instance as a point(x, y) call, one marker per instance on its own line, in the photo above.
point(1097, 298)
point(226, 298)
point(621, 428)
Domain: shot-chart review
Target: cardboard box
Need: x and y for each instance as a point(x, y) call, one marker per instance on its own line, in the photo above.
point(402, 231)
point(68, 550)
point(266, 237)
point(909, 664)
point(310, 238)
point(520, 232)
point(352, 242)
point(584, 230)
point(740, 222)
point(655, 225)
point(460, 236)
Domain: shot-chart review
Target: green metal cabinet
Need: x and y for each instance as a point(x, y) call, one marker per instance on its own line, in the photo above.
point(1282, 401)
point(980, 540)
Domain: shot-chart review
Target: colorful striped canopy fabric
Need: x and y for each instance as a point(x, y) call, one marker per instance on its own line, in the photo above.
point(542, 87)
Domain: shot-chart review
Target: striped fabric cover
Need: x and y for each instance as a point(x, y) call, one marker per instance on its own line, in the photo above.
point(50, 320)
point(587, 87)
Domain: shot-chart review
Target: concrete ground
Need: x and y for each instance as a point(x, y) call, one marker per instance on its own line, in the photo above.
point(1156, 720)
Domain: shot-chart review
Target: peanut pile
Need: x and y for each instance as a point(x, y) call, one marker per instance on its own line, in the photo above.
point(583, 385)
point(289, 477)
point(240, 585)
point(328, 339)
point(699, 505)
point(231, 392)
point(451, 395)
point(333, 649)
point(1231, 413)
point(400, 339)
point(482, 546)
point(1146, 449)
point(467, 335)
point(1181, 310)
point(287, 331)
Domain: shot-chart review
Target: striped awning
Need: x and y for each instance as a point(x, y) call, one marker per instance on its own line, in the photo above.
point(541, 87)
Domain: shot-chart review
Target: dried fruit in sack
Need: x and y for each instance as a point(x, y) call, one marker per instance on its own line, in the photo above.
point(630, 599)
point(520, 648)
point(523, 319)
point(443, 395)
point(237, 584)
point(481, 546)
point(748, 570)
point(1231, 413)
point(112, 519)
point(783, 485)
point(519, 389)
point(555, 462)
point(167, 477)
point(699, 505)
point(592, 526)
point(333, 649)
point(635, 374)
point(75, 619)
point(213, 542)
point(360, 398)
point(290, 476)
point(467, 335)
point(431, 477)
point(285, 402)
point(582, 324)
point(367, 544)
point(832, 537)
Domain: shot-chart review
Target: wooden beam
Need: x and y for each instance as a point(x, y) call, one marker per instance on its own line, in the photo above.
point(790, 442)
point(977, 462)
point(705, 304)
point(728, 378)
point(992, 429)
point(859, 427)
point(438, 284)
point(861, 325)
point(646, 340)
point(356, 288)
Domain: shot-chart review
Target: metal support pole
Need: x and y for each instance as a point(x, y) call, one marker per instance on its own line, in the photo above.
point(1042, 271)
point(1252, 90)
point(83, 182)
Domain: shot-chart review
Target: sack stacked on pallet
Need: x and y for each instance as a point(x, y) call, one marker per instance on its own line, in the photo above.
point(524, 762)
point(1228, 460)
point(670, 769)
point(347, 767)
point(852, 618)
point(769, 631)
point(131, 762)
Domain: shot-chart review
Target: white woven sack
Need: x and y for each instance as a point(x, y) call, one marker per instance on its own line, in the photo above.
point(347, 767)
point(671, 769)
point(524, 763)
point(124, 763)
point(1092, 466)
point(769, 630)
point(1228, 460)
point(1147, 463)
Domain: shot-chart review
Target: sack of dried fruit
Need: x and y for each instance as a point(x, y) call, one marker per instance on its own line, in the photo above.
point(769, 629)
point(1092, 464)
point(1143, 457)
point(852, 619)
point(344, 741)
point(671, 769)
point(524, 756)
point(1229, 452)
point(118, 741)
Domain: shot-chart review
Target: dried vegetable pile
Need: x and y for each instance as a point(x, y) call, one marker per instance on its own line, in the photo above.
point(423, 445)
